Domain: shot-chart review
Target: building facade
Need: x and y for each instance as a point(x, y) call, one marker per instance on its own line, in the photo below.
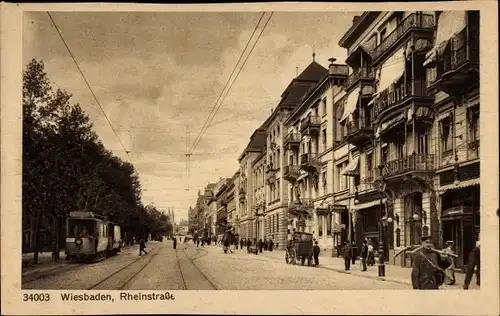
point(409, 106)
point(258, 174)
point(232, 200)
point(309, 156)
point(245, 207)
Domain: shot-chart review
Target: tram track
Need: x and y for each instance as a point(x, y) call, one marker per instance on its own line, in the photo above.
point(122, 285)
point(191, 262)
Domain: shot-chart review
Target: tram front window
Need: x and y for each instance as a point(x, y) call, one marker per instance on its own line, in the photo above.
point(81, 228)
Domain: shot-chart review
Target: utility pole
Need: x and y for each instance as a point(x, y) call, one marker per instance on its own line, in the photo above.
point(188, 159)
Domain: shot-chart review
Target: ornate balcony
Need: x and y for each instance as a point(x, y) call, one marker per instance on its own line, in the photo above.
point(408, 166)
point(358, 134)
point(291, 173)
point(416, 22)
point(458, 67)
point(311, 124)
point(242, 195)
point(366, 75)
point(400, 95)
point(310, 162)
point(292, 140)
point(271, 177)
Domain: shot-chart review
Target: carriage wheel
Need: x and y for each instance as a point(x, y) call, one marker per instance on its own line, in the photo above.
point(293, 256)
point(287, 258)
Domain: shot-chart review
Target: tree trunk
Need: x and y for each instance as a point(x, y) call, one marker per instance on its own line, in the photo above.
point(38, 222)
point(57, 244)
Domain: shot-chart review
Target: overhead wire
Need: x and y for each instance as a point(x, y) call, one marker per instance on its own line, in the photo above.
point(207, 122)
point(236, 77)
point(88, 85)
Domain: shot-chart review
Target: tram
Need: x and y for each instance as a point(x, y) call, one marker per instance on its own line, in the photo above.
point(91, 236)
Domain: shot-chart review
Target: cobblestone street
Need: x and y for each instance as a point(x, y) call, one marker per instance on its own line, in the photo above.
point(207, 268)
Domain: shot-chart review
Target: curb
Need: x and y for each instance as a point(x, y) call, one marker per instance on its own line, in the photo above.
point(367, 276)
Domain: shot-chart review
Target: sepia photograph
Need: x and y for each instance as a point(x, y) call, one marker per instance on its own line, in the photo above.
point(261, 150)
point(360, 168)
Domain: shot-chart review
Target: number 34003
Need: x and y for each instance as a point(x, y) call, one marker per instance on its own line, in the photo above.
point(36, 297)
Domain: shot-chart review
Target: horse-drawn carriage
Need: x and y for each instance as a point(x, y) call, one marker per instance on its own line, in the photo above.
point(300, 248)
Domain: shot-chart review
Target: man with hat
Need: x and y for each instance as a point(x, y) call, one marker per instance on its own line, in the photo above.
point(449, 255)
point(428, 267)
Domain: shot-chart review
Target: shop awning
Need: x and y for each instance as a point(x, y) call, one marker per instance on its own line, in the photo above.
point(456, 212)
point(390, 123)
point(420, 112)
point(391, 70)
point(350, 105)
point(460, 185)
point(352, 168)
point(449, 23)
point(369, 204)
point(302, 176)
point(421, 44)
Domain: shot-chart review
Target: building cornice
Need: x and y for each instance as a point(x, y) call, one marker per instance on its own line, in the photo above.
point(354, 31)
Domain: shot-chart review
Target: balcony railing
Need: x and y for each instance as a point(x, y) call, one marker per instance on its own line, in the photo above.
point(309, 121)
point(399, 92)
point(355, 126)
point(411, 163)
point(413, 21)
point(308, 158)
point(458, 53)
point(292, 138)
point(360, 74)
point(366, 185)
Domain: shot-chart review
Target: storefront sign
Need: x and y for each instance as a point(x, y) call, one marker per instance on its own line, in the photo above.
point(337, 208)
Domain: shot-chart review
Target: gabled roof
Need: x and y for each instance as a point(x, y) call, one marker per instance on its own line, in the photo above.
point(300, 85)
point(313, 72)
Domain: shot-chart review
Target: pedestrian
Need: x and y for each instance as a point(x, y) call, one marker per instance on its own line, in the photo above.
point(354, 252)
point(316, 251)
point(474, 262)
point(197, 242)
point(242, 242)
point(371, 255)
point(249, 243)
point(381, 263)
point(175, 242)
point(261, 245)
point(347, 255)
point(428, 267)
point(142, 247)
point(271, 244)
point(364, 255)
point(449, 255)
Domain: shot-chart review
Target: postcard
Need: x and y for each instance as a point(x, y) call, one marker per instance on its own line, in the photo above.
point(259, 158)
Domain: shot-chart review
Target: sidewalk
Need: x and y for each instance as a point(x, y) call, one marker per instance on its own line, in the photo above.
point(393, 273)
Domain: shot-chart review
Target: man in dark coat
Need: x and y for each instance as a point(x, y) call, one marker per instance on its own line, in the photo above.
point(347, 255)
point(316, 251)
point(261, 245)
point(474, 261)
point(271, 244)
point(428, 267)
point(175, 242)
point(142, 247)
point(364, 254)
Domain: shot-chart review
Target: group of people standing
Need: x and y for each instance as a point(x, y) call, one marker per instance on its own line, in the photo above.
point(367, 256)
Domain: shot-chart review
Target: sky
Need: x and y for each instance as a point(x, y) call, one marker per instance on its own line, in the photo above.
point(157, 76)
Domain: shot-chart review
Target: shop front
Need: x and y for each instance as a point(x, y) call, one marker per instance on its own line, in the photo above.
point(460, 221)
point(340, 229)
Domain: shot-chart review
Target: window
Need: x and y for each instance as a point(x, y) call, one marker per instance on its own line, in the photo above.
point(323, 106)
point(278, 189)
point(277, 222)
point(473, 122)
point(446, 137)
point(385, 155)
point(323, 139)
point(291, 195)
point(329, 224)
point(383, 33)
point(369, 166)
point(320, 226)
point(278, 159)
point(423, 143)
point(325, 181)
point(342, 179)
point(400, 147)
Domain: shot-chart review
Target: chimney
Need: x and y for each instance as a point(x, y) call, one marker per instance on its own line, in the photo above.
point(355, 19)
point(331, 67)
